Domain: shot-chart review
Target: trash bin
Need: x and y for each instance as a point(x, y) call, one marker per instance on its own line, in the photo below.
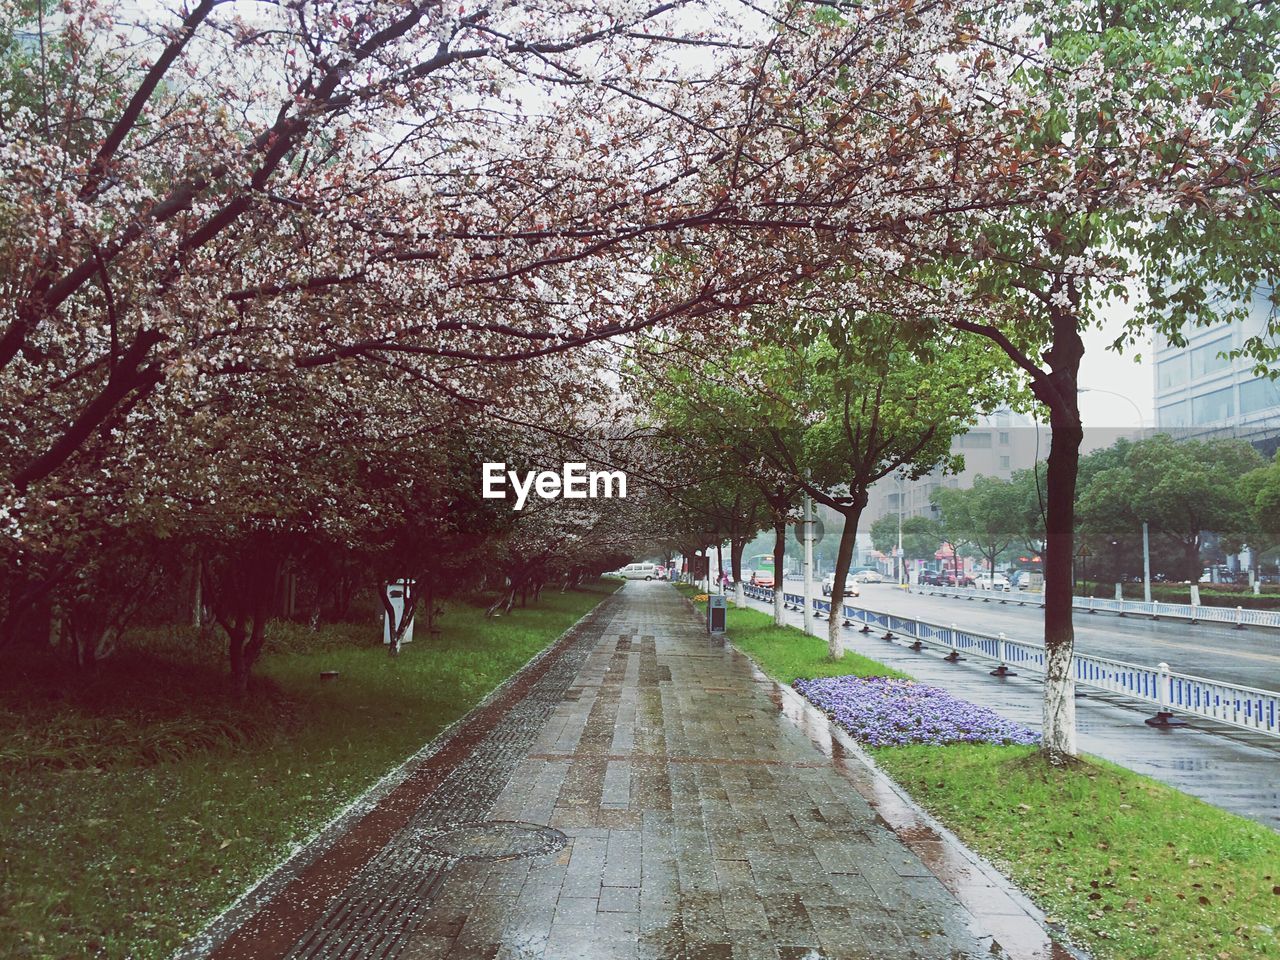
point(395, 592)
point(717, 609)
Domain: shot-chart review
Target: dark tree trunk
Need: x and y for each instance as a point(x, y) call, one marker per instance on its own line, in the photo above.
point(1060, 503)
point(844, 558)
point(1191, 560)
point(736, 547)
point(779, 555)
point(236, 656)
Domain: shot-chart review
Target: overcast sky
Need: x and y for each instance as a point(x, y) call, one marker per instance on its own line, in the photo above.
point(1103, 369)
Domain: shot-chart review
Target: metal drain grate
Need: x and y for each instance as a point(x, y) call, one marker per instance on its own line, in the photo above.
point(494, 840)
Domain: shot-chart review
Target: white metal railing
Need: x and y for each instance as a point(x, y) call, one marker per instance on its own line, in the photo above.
point(1238, 617)
point(1247, 707)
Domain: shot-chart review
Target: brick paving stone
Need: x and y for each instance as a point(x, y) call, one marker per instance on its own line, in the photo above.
point(701, 822)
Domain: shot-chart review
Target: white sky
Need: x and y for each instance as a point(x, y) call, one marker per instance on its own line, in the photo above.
point(1103, 369)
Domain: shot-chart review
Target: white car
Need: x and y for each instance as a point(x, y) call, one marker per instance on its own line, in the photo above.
point(850, 586)
point(867, 576)
point(639, 571)
point(998, 582)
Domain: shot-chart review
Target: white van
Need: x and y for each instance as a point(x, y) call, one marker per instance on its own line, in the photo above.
point(640, 571)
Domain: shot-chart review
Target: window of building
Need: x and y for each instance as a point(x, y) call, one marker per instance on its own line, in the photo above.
point(1212, 407)
point(1205, 359)
point(1004, 463)
point(1004, 438)
point(1173, 415)
point(976, 441)
point(1173, 372)
point(1259, 395)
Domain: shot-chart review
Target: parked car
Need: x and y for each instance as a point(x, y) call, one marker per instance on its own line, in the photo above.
point(829, 585)
point(932, 578)
point(989, 582)
point(957, 580)
point(868, 576)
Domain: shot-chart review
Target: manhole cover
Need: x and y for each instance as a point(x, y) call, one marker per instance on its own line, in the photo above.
point(495, 840)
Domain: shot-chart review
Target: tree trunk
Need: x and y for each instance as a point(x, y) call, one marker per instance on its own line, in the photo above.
point(735, 562)
point(719, 562)
point(844, 557)
point(197, 597)
point(236, 655)
point(779, 555)
point(1060, 500)
point(1191, 560)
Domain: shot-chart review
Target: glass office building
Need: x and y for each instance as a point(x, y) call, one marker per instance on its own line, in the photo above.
point(1200, 391)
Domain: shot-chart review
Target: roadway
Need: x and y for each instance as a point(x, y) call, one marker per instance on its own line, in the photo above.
point(1250, 657)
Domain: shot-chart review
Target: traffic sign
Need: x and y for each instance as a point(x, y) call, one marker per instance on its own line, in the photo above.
point(818, 531)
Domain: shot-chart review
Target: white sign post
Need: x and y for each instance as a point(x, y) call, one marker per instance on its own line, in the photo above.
point(395, 592)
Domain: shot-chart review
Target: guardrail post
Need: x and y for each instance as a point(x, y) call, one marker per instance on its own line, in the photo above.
point(1164, 717)
point(954, 655)
point(916, 645)
point(1155, 609)
point(1002, 670)
point(1091, 610)
point(1239, 618)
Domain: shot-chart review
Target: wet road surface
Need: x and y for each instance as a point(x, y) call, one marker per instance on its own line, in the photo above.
point(1237, 770)
point(639, 792)
point(1250, 657)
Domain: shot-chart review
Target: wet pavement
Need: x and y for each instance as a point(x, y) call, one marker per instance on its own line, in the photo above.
point(641, 791)
point(1235, 769)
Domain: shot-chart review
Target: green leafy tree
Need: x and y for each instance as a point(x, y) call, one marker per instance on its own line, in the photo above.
point(1151, 128)
point(987, 516)
point(694, 398)
point(920, 536)
point(1180, 489)
point(867, 402)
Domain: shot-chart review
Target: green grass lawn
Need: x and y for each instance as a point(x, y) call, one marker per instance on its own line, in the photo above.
point(137, 804)
point(786, 653)
point(1130, 867)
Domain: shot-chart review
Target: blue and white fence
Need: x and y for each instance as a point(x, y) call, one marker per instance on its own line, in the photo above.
point(1239, 617)
point(1239, 706)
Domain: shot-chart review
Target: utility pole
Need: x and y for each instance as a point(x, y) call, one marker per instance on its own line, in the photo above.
point(808, 565)
point(1146, 563)
point(899, 559)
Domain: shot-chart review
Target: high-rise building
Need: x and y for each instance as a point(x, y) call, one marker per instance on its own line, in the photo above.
point(997, 446)
point(1200, 391)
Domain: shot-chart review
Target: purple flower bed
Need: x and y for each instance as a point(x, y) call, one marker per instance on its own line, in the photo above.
point(883, 712)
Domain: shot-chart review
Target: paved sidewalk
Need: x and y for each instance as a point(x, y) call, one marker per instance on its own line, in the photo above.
point(639, 792)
